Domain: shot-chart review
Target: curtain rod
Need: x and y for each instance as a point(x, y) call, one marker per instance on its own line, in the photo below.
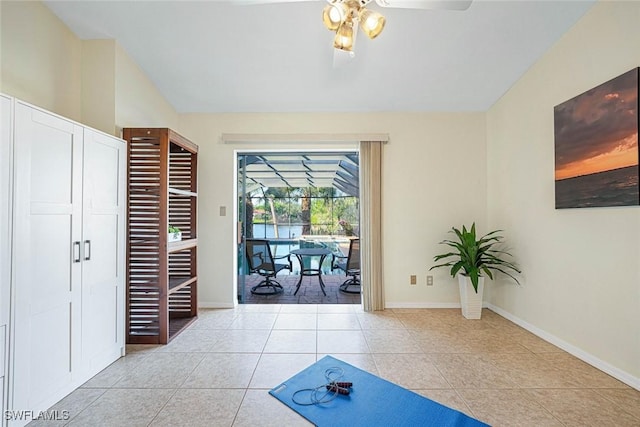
point(239, 138)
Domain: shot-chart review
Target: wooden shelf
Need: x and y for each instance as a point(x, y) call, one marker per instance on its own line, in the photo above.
point(181, 245)
point(178, 282)
point(185, 193)
point(178, 324)
point(162, 285)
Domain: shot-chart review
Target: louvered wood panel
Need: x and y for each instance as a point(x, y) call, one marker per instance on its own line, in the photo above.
point(180, 303)
point(144, 227)
point(180, 208)
point(180, 264)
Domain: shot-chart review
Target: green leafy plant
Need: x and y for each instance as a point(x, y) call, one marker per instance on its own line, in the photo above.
point(475, 256)
point(173, 229)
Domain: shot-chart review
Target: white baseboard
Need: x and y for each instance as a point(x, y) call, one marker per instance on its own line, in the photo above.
point(206, 304)
point(421, 305)
point(617, 373)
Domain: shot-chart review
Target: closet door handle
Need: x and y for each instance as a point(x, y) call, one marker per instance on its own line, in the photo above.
point(87, 250)
point(76, 252)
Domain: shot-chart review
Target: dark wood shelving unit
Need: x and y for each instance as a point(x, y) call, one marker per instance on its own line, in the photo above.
point(181, 245)
point(178, 282)
point(182, 192)
point(161, 275)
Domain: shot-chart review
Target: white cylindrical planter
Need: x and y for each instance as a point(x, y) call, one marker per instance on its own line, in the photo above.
point(470, 301)
point(174, 237)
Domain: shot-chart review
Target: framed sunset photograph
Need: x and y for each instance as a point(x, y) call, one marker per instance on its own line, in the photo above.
point(596, 146)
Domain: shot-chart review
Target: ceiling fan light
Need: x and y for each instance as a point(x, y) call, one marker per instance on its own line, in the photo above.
point(333, 15)
point(344, 36)
point(371, 23)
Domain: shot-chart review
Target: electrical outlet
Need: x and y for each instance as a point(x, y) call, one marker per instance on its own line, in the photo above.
point(429, 280)
point(223, 211)
point(413, 279)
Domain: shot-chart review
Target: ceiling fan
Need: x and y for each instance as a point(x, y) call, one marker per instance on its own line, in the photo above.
point(344, 16)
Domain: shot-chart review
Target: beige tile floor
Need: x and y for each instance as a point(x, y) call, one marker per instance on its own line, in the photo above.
point(218, 372)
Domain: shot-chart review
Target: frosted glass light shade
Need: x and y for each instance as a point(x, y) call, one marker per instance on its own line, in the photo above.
point(333, 15)
point(371, 23)
point(344, 36)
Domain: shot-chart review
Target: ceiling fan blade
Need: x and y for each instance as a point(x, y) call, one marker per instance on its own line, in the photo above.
point(426, 4)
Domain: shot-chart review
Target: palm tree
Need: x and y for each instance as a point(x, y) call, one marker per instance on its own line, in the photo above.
point(307, 195)
point(248, 216)
point(305, 211)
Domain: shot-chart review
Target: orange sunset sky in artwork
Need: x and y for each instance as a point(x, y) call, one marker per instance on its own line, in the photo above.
point(598, 130)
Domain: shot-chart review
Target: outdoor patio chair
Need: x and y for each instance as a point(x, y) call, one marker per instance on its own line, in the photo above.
point(262, 262)
point(350, 264)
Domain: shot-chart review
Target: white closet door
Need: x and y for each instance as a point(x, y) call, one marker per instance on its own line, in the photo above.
point(5, 235)
point(103, 250)
point(5, 208)
point(47, 222)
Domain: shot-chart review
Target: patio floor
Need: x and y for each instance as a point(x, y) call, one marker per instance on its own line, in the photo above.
point(309, 293)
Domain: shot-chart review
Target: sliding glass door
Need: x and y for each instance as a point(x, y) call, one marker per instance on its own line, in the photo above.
point(296, 200)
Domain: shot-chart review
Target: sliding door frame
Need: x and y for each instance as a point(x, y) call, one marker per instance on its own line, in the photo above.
point(372, 280)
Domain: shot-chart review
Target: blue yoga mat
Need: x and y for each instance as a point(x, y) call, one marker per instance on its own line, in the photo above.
point(372, 401)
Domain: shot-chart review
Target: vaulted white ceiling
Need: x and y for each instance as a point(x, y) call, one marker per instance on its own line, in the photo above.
point(222, 56)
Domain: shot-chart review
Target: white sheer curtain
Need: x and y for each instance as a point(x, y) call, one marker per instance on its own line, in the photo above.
point(371, 225)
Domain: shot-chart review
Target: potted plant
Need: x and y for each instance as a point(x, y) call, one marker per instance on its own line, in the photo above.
point(470, 259)
point(175, 235)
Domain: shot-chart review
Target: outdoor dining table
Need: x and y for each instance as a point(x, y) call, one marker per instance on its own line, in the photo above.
point(308, 271)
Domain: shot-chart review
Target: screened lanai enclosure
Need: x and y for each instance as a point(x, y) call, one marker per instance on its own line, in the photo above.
point(295, 201)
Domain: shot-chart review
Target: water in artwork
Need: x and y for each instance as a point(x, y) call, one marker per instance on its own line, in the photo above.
point(618, 187)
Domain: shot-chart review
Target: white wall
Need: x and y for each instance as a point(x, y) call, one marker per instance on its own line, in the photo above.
point(93, 82)
point(40, 58)
point(137, 101)
point(581, 266)
point(99, 85)
point(434, 171)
